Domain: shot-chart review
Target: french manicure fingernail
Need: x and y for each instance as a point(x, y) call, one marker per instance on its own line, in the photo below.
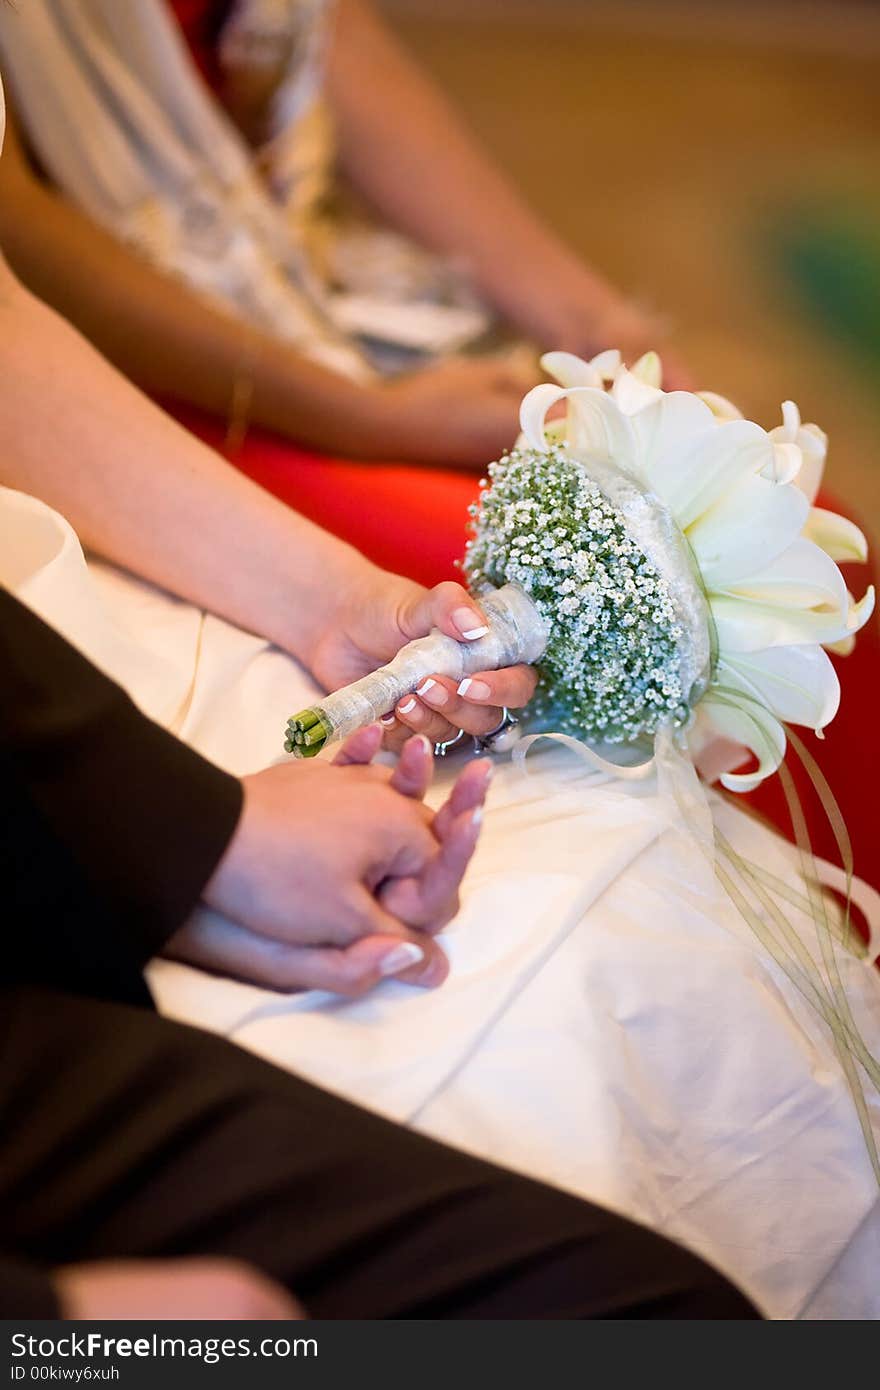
point(401, 958)
point(424, 741)
point(467, 620)
point(475, 690)
point(387, 720)
point(407, 708)
point(433, 693)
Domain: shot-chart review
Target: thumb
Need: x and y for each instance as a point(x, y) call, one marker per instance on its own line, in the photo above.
point(448, 607)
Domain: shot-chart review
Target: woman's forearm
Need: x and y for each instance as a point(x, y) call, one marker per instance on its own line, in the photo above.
point(404, 147)
point(145, 494)
point(164, 336)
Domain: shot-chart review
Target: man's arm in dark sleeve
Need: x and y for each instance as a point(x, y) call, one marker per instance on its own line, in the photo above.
point(109, 826)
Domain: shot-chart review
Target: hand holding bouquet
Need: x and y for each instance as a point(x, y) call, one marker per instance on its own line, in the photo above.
point(660, 559)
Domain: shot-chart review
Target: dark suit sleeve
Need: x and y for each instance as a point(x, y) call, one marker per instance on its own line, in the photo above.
point(25, 1292)
point(109, 826)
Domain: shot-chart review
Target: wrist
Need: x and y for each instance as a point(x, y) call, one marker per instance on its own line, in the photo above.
point(339, 577)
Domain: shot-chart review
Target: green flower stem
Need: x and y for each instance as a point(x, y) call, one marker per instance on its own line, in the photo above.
point(306, 733)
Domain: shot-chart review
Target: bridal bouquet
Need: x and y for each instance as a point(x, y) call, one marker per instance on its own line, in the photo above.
point(660, 559)
point(662, 562)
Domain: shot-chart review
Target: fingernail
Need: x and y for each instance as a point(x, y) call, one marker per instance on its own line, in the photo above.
point(475, 690)
point(433, 694)
point(401, 958)
point(407, 708)
point(387, 720)
point(425, 743)
point(469, 624)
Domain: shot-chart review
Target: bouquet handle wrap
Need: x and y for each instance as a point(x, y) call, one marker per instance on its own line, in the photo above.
point(517, 633)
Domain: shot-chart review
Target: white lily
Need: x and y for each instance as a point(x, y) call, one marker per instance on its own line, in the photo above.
point(742, 496)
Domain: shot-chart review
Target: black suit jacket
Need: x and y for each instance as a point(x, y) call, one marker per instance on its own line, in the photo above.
point(109, 829)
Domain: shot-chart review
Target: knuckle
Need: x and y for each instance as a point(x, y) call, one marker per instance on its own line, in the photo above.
point(353, 921)
point(449, 591)
point(446, 914)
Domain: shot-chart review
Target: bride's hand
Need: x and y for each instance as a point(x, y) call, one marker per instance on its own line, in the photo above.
point(372, 622)
point(337, 875)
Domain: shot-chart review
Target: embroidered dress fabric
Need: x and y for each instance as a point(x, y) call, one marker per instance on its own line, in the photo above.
point(117, 113)
point(610, 1024)
point(114, 107)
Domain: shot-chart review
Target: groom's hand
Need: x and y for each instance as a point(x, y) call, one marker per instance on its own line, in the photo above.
point(338, 876)
point(370, 625)
point(200, 1288)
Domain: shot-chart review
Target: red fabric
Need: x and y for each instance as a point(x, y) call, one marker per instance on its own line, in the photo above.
point(849, 755)
point(413, 521)
point(200, 21)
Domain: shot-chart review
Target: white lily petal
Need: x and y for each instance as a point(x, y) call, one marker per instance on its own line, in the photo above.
point(570, 370)
point(533, 410)
point(838, 537)
point(692, 471)
point(802, 576)
point(632, 394)
point(813, 444)
point(649, 369)
point(785, 465)
point(860, 612)
point(597, 427)
point(812, 441)
point(607, 363)
point(667, 427)
point(797, 684)
point(745, 626)
point(720, 406)
point(845, 647)
point(791, 421)
point(754, 728)
point(745, 529)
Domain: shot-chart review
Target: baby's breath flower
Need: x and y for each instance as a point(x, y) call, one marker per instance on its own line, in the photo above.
point(611, 669)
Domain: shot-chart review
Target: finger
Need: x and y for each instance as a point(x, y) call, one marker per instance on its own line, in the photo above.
point(448, 606)
point(513, 686)
point(361, 747)
point(394, 734)
point(408, 841)
point(430, 900)
point(227, 949)
point(415, 717)
point(412, 776)
point(470, 790)
point(519, 371)
point(357, 969)
point(440, 695)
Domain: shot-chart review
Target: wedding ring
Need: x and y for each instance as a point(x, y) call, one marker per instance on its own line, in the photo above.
point(441, 749)
point(502, 737)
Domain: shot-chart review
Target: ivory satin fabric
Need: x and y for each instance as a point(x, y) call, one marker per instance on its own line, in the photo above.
point(610, 1024)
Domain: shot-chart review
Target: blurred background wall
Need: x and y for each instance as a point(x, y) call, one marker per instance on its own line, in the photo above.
point(719, 160)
